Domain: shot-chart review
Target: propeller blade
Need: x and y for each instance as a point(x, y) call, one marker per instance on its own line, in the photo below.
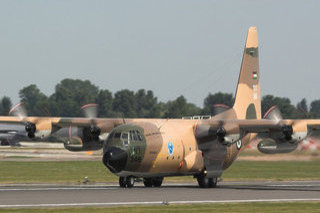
point(90, 110)
point(219, 108)
point(19, 111)
point(273, 114)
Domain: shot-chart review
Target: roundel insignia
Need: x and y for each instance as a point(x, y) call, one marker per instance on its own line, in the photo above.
point(239, 144)
point(170, 148)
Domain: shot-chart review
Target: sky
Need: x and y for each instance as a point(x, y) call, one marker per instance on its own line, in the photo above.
point(171, 47)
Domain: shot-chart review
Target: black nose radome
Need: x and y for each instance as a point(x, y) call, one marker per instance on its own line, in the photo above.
point(115, 159)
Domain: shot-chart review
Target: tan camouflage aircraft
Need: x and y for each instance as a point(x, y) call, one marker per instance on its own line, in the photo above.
point(151, 149)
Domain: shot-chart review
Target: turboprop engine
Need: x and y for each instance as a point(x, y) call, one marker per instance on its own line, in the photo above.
point(38, 129)
point(85, 138)
point(81, 139)
point(285, 139)
point(34, 127)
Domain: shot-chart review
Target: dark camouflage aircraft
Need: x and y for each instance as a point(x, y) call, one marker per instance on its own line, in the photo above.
point(152, 149)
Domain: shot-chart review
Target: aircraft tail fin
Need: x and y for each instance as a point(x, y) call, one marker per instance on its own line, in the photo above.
point(247, 103)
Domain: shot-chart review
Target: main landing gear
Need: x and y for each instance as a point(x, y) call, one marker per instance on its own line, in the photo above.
point(206, 182)
point(128, 182)
point(152, 182)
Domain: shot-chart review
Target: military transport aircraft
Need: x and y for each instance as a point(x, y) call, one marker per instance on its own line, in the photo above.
point(151, 149)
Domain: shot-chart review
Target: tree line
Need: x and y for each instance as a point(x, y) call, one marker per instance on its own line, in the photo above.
point(71, 94)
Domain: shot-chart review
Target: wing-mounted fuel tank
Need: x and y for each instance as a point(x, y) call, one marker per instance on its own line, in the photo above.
point(286, 137)
point(271, 146)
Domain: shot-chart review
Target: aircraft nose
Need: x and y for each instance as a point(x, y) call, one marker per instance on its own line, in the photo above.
point(115, 159)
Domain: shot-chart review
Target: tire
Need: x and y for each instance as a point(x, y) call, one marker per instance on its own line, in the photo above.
point(157, 181)
point(147, 182)
point(129, 182)
point(203, 181)
point(213, 182)
point(206, 182)
point(122, 182)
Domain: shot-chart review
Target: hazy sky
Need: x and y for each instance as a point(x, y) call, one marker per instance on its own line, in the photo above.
point(172, 47)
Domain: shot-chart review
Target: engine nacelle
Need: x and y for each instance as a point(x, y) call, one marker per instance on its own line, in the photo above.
point(76, 144)
point(39, 129)
point(271, 146)
point(283, 141)
point(80, 139)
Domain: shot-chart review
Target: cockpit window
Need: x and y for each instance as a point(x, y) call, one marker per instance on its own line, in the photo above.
point(124, 136)
point(134, 135)
point(139, 136)
point(131, 135)
point(117, 135)
point(111, 135)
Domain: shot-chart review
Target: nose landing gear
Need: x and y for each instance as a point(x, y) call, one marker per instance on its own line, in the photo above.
point(207, 182)
point(126, 182)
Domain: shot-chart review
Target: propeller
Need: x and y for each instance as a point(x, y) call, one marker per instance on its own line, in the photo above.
point(226, 132)
point(219, 108)
point(274, 114)
point(20, 111)
point(221, 131)
point(91, 111)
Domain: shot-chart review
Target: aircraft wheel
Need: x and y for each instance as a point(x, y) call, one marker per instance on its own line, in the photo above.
point(207, 182)
point(203, 181)
point(147, 182)
point(213, 182)
point(129, 182)
point(157, 181)
point(122, 182)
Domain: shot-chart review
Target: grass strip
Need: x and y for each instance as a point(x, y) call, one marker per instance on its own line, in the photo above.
point(291, 207)
point(75, 171)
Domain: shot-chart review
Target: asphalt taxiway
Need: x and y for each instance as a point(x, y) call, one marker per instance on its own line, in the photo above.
point(40, 195)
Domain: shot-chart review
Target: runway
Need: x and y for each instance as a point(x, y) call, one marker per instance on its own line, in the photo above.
point(38, 195)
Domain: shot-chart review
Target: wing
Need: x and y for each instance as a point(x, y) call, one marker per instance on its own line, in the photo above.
point(44, 126)
point(210, 127)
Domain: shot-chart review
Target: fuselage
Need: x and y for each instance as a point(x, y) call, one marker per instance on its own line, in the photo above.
point(166, 147)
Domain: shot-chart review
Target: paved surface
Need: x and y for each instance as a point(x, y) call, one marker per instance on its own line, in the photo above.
point(40, 154)
point(105, 195)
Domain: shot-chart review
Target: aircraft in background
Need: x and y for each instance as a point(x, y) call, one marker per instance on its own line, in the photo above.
point(11, 135)
point(155, 148)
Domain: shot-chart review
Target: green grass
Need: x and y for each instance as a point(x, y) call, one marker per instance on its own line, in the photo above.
point(309, 207)
point(75, 171)
point(53, 171)
point(277, 170)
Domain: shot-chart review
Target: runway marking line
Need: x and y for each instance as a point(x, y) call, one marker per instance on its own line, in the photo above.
point(155, 203)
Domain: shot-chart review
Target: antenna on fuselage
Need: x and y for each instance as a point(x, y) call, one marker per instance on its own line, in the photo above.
point(123, 119)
